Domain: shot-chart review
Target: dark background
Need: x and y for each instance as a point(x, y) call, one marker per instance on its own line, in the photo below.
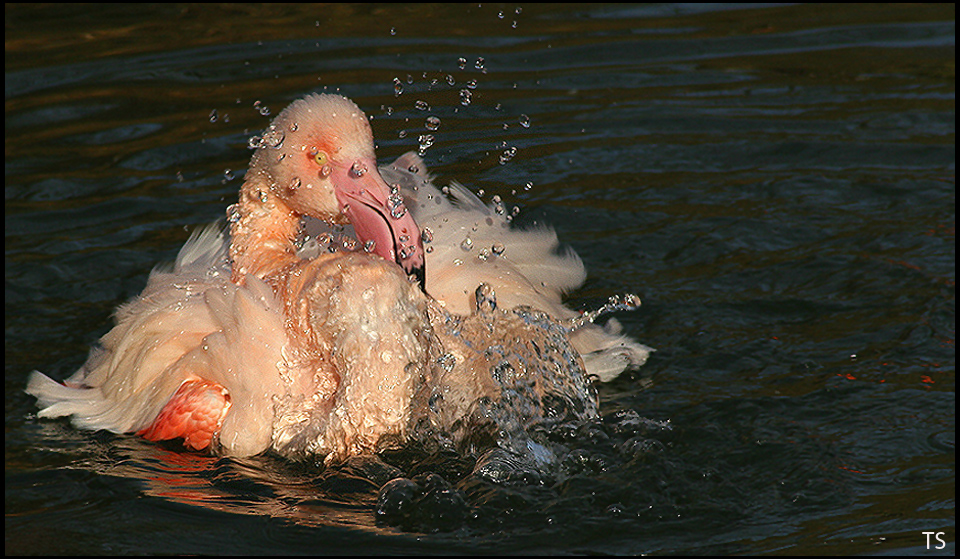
point(777, 183)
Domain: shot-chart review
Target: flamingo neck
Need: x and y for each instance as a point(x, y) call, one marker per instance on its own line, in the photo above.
point(263, 231)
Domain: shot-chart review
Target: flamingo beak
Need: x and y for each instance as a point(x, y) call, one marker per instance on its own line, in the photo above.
point(378, 215)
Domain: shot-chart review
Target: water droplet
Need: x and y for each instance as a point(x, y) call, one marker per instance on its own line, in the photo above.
point(358, 169)
point(498, 248)
point(447, 361)
point(407, 252)
point(479, 64)
point(262, 109)
point(233, 213)
point(507, 155)
point(426, 236)
point(348, 243)
point(465, 97)
point(228, 174)
point(425, 141)
point(273, 138)
point(486, 298)
point(525, 121)
point(397, 87)
point(462, 62)
point(213, 115)
point(421, 105)
point(432, 123)
point(395, 203)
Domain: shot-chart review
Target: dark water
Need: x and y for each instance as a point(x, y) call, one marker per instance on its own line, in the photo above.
point(777, 183)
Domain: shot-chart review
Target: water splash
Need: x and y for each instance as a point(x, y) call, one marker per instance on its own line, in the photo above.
point(616, 303)
point(505, 378)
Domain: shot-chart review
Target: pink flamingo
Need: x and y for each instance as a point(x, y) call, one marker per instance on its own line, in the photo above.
point(259, 339)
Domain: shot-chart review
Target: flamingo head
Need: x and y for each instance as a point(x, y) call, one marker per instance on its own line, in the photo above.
point(317, 157)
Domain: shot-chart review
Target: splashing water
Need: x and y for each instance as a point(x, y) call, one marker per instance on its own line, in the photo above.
point(616, 303)
point(536, 385)
point(530, 376)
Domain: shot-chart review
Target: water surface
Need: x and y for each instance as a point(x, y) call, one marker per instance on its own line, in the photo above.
point(776, 182)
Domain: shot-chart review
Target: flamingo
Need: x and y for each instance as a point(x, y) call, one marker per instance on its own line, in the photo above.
point(260, 336)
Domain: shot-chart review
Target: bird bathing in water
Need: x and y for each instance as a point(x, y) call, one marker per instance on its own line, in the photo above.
point(262, 336)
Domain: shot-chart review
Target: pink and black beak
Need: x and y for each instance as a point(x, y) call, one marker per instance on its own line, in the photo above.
point(379, 217)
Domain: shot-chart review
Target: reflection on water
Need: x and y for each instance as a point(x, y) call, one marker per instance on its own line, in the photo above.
point(777, 183)
point(608, 475)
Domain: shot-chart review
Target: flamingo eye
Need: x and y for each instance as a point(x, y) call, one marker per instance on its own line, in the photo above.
point(319, 157)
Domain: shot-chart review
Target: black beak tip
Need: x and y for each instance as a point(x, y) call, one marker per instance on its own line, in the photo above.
point(419, 273)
